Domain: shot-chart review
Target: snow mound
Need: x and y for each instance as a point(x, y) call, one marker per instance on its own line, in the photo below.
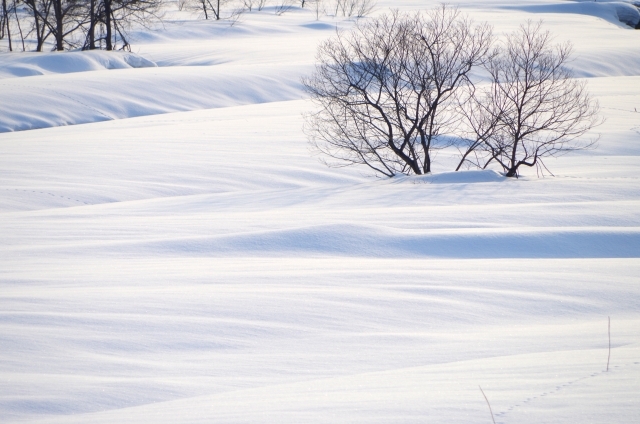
point(81, 98)
point(318, 26)
point(616, 12)
point(628, 14)
point(30, 64)
point(460, 177)
point(375, 241)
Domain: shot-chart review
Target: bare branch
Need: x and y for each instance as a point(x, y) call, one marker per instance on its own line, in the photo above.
point(387, 90)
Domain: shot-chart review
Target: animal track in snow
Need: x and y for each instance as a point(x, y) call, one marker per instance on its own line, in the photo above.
point(558, 388)
point(50, 194)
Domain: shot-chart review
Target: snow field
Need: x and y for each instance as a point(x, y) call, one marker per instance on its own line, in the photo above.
point(193, 263)
point(350, 340)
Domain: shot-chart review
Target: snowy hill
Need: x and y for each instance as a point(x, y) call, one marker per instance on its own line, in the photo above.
point(172, 252)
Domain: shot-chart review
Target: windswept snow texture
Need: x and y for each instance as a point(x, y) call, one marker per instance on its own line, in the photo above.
point(617, 12)
point(193, 263)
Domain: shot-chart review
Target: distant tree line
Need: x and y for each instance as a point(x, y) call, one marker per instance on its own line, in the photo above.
point(104, 24)
point(87, 24)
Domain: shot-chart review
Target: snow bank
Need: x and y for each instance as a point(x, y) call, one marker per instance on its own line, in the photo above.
point(367, 241)
point(460, 177)
point(26, 64)
point(235, 65)
point(98, 96)
point(616, 12)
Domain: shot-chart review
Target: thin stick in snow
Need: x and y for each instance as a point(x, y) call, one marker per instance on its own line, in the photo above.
point(488, 404)
point(609, 357)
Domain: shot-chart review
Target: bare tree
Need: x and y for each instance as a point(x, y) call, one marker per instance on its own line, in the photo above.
point(249, 4)
point(534, 107)
point(386, 90)
point(356, 8)
point(15, 13)
point(9, 11)
point(5, 24)
point(114, 18)
point(41, 12)
point(68, 17)
point(213, 8)
point(351, 8)
point(317, 6)
point(283, 6)
point(480, 117)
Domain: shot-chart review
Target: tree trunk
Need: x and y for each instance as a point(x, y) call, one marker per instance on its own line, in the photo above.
point(92, 25)
point(15, 11)
point(3, 21)
point(59, 33)
point(6, 19)
point(40, 26)
point(107, 23)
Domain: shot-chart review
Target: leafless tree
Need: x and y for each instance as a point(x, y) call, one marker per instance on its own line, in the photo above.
point(9, 12)
point(317, 7)
point(5, 25)
point(114, 18)
point(480, 118)
point(386, 90)
point(249, 4)
point(211, 8)
point(68, 16)
point(350, 8)
point(357, 8)
point(3, 18)
point(283, 6)
point(41, 15)
point(59, 18)
point(534, 107)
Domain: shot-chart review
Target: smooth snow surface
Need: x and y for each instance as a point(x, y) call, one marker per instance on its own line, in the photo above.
point(193, 263)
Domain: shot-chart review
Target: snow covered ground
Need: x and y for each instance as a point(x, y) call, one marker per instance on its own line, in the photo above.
point(194, 263)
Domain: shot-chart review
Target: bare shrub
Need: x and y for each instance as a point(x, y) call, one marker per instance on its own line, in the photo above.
point(357, 8)
point(534, 108)
point(283, 6)
point(387, 89)
point(251, 4)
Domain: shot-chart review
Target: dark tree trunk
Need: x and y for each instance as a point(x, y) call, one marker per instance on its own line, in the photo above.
point(59, 32)
point(38, 20)
point(3, 22)
point(6, 20)
point(39, 38)
point(204, 8)
point(92, 25)
point(107, 23)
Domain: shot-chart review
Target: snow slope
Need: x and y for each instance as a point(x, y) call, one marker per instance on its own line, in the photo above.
point(193, 263)
point(203, 64)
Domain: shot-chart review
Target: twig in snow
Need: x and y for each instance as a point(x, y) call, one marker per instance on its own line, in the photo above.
point(609, 357)
point(488, 404)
